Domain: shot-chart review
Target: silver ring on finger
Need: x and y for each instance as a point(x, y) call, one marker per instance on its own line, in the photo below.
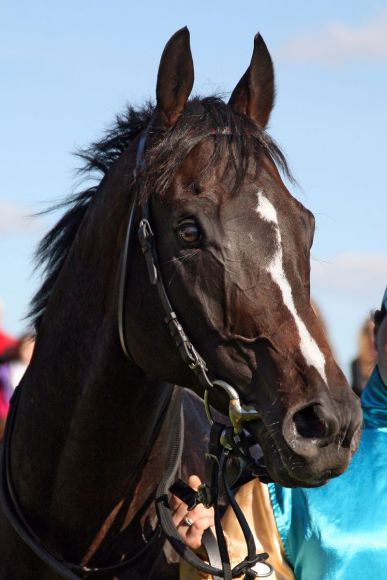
point(188, 522)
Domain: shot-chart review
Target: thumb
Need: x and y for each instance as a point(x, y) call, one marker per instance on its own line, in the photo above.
point(194, 481)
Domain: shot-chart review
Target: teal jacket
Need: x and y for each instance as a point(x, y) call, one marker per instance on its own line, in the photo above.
point(339, 531)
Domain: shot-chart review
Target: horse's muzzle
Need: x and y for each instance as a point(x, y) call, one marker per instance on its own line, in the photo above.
point(311, 427)
point(312, 443)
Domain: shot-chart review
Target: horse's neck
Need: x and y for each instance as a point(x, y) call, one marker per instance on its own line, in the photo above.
point(86, 415)
point(78, 449)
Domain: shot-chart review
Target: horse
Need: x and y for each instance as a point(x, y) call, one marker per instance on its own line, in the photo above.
point(92, 429)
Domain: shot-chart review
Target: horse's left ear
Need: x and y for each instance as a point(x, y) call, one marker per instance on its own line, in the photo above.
point(175, 78)
point(254, 94)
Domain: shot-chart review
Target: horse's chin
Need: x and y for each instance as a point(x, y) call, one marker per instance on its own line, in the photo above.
point(274, 468)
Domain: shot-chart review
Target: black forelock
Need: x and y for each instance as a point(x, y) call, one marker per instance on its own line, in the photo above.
point(235, 137)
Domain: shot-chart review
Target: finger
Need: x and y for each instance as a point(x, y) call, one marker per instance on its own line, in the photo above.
point(194, 534)
point(201, 525)
point(175, 502)
point(180, 513)
point(194, 481)
point(201, 511)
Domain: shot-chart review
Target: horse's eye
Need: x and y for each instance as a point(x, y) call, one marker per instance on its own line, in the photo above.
point(189, 232)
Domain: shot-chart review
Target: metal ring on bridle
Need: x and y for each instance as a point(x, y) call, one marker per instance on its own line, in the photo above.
point(237, 412)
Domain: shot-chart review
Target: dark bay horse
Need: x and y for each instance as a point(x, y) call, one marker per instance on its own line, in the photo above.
point(93, 429)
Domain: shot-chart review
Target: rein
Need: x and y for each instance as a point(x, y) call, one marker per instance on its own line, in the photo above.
point(14, 514)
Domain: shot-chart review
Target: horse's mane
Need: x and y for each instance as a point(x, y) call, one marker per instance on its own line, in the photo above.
point(201, 118)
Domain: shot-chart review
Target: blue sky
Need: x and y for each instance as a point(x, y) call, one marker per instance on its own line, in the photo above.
point(67, 68)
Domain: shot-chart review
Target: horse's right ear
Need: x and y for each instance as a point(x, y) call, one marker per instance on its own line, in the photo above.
point(175, 79)
point(254, 94)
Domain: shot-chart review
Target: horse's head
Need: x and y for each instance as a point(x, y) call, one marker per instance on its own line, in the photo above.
point(233, 247)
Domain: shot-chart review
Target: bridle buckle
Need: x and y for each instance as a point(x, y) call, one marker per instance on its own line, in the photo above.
point(237, 412)
point(145, 237)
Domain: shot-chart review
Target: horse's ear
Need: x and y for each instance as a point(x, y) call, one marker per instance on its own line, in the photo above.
point(254, 94)
point(175, 78)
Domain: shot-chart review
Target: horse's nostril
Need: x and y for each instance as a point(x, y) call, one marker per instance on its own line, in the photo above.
point(311, 422)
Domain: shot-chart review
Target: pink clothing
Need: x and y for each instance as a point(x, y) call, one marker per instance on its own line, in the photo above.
point(6, 342)
point(5, 390)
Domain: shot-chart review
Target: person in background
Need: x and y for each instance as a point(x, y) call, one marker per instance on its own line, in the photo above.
point(6, 341)
point(20, 359)
point(13, 364)
point(5, 395)
point(337, 531)
point(362, 365)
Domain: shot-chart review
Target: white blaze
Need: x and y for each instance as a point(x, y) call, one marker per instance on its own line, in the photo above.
point(308, 346)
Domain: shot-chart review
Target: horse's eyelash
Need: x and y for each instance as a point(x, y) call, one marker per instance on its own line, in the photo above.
point(194, 188)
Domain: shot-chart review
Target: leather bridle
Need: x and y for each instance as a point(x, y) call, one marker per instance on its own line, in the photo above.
point(190, 356)
point(146, 239)
point(225, 441)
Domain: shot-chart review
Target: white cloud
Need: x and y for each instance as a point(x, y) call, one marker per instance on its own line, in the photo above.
point(351, 275)
point(347, 287)
point(338, 42)
point(15, 217)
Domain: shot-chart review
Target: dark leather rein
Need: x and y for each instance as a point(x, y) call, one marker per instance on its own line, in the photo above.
point(13, 512)
point(225, 442)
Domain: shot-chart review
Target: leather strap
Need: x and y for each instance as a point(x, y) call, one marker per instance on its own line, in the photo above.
point(216, 464)
point(15, 517)
point(210, 545)
point(129, 233)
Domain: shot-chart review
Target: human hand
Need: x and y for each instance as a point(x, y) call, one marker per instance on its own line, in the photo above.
point(201, 518)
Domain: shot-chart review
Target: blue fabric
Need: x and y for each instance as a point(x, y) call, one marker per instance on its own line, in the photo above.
point(339, 531)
